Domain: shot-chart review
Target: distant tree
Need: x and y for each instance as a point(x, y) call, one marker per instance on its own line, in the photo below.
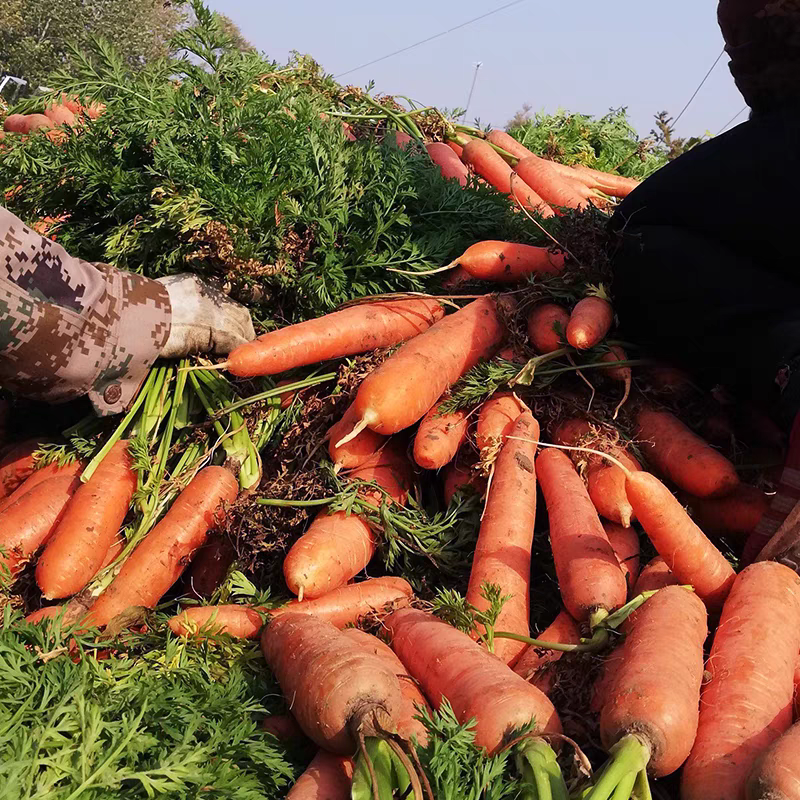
point(520, 118)
point(34, 34)
point(672, 145)
point(235, 33)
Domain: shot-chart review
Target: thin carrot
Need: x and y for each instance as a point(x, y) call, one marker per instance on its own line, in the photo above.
point(688, 552)
point(354, 330)
point(589, 322)
point(535, 663)
point(48, 612)
point(503, 551)
point(547, 327)
point(747, 703)
point(455, 278)
point(327, 777)
point(509, 262)
point(456, 148)
point(496, 419)
point(17, 465)
point(589, 576)
point(27, 524)
point(162, 556)
point(459, 476)
point(344, 606)
point(405, 387)
point(75, 552)
point(399, 139)
point(683, 457)
point(448, 665)
point(357, 450)
point(508, 143)
point(615, 185)
point(438, 438)
point(738, 513)
point(616, 353)
point(656, 575)
point(625, 542)
point(448, 162)
point(553, 186)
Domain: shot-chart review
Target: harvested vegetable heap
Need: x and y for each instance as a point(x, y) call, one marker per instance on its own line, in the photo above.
point(314, 570)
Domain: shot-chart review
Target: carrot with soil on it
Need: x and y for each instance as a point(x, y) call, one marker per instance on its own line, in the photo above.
point(776, 774)
point(75, 552)
point(547, 327)
point(327, 777)
point(17, 465)
point(683, 457)
point(747, 703)
point(161, 557)
point(502, 554)
point(655, 575)
point(356, 451)
point(534, 663)
point(72, 470)
point(460, 475)
point(343, 606)
point(439, 437)
point(358, 329)
point(737, 513)
point(405, 387)
point(589, 322)
point(496, 419)
point(589, 577)
point(210, 566)
point(625, 542)
point(649, 714)
point(508, 262)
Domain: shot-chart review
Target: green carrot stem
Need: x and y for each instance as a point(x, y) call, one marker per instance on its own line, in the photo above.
point(597, 642)
point(642, 787)
point(270, 393)
point(625, 787)
point(629, 756)
point(274, 501)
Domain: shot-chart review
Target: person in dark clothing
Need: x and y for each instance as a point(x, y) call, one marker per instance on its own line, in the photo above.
point(706, 265)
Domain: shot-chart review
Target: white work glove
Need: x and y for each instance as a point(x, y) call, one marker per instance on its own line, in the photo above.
point(204, 320)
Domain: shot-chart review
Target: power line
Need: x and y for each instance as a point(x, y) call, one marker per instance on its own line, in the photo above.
point(697, 90)
point(731, 121)
point(430, 38)
point(472, 88)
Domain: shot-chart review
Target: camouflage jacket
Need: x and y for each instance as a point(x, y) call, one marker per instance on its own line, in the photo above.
point(69, 327)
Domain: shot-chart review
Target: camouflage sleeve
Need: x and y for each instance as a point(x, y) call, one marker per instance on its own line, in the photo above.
point(68, 327)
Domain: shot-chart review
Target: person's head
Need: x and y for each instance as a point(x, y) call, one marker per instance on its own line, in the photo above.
point(762, 38)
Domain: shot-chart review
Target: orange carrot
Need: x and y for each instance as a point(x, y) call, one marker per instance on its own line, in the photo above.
point(495, 420)
point(737, 513)
point(509, 262)
point(75, 552)
point(503, 550)
point(588, 572)
point(337, 546)
point(656, 575)
point(614, 185)
point(399, 139)
point(338, 690)
point(534, 663)
point(650, 702)
point(286, 398)
point(413, 699)
point(455, 278)
point(343, 606)
point(17, 465)
point(163, 554)
point(508, 143)
point(460, 476)
point(683, 457)
point(551, 185)
point(283, 727)
point(27, 524)
point(35, 122)
point(747, 703)
point(625, 542)
point(589, 322)
point(447, 664)
point(354, 330)
point(687, 551)
point(617, 373)
point(15, 123)
point(490, 165)
point(438, 438)
point(356, 451)
point(48, 612)
point(456, 148)
point(72, 470)
point(60, 115)
point(405, 387)
point(210, 566)
point(448, 162)
point(547, 327)
point(327, 777)
point(776, 774)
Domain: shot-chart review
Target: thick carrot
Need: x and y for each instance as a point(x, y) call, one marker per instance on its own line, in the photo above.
point(35, 122)
point(37, 476)
point(616, 353)
point(737, 513)
point(405, 387)
point(551, 185)
point(438, 438)
point(399, 139)
point(27, 524)
point(687, 551)
point(327, 777)
point(459, 476)
point(496, 419)
point(650, 703)
point(487, 163)
point(615, 185)
point(447, 664)
point(503, 550)
point(456, 148)
point(588, 572)
point(683, 457)
point(413, 699)
point(747, 703)
point(589, 322)
point(354, 330)
point(60, 115)
point(776, 774)
point(163, 554)
point(625, 542)
point(356, 451)
point(48, 612)
point(337, 689)
point(344, 606)
point(508, 143)
point(656, 575)
point(455, 278)
point(547, 327)
point(283, 727)
point(509, 262)
point(448, 162)
point(534, 663)
point(210, 566)
point(15, 123)
point(75, 552)
point(17, 465)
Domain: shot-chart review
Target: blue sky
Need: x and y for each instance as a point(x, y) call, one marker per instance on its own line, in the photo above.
point(580, 55)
